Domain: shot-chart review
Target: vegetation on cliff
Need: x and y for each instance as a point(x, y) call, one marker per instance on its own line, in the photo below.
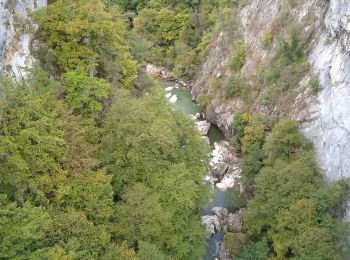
point(292, 212)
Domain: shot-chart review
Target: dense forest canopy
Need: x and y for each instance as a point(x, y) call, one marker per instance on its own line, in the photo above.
point(89, 171)
point(95, 164)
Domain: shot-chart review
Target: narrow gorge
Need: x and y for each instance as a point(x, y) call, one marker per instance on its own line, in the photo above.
point(162, 129)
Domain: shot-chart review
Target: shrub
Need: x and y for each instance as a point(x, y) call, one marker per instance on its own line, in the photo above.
point(235, 87)
point(267, 39)
point(234, 243)
point(285, 140)
point(239, 123)
point(203, 100)
point(315, 84)
point(254, 132)
point(251, 164)
point(293, 50)
point(255, 251)
point(238, 56)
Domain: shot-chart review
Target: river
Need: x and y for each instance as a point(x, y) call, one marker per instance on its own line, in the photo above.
point(181, 99)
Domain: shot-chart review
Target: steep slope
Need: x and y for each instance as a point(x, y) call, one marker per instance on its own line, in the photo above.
point(324, 116)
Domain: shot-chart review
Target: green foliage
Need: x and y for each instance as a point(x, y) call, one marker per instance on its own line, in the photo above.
point(288, 208)
point(315, 85)
point(128, 5)
point(32, 144)
point(234, 243)
point(149, 252)
point(140, 48)
point(249, 136)
point(179, 31)
point(255, 251)
point(91, 193)
point(162, 26)
point(284, 72)
point(145, 137)
point(84, 94)
point(47, 156)
point(254, 132)
point(293, 50)
point(235, 87)
point(251, 164)
point(238, 56)
point(83, 35)
point(267, 39)
point(285, 140)
point(142, 218)
point(21, 229)
point(142, 200)
point(143, 85)
point(37, 137)
point(240, 121)
point(119, 252)
point(73, 232)
point(146, 142)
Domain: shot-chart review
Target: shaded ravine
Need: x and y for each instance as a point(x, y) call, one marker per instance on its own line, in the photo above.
point(181, 99)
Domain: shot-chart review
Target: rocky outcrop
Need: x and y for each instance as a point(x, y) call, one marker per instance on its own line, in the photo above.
point(325, 117)
point(162, 73)
point(15, 34)
point(256, 19)
point(217, 66)
point(329, 127)
point(225, 171)
point(223, 221)
point(212, 225)
point(203, 127)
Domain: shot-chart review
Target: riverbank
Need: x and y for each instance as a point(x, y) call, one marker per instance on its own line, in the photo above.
point(223, 213)
point(162, 73)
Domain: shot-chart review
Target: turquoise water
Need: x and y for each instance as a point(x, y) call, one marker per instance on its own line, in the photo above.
point(229, 199)
point(185, 104)
point(184, 98)
point(215, 134)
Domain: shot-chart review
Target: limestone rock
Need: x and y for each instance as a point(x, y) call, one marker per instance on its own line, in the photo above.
point(203, 127)
point(225, 172)
point(234, 223)
point(221, 213)
point(212, 225)
point(15, 49)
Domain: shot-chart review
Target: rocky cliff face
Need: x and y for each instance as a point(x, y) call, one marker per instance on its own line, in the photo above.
point(325, 117)
point(15, 34)
point(330, 124)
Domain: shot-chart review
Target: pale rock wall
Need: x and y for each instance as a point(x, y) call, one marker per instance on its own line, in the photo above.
point(257, 18)
point(15, 34)
point(330, 125)
point(325, 118)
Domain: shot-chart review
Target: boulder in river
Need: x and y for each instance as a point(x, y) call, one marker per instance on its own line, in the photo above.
point(225, 172)
point(234, 223)
point(203, 127)
point(222, 215)
point(229, 222)
point(212, 225)
point(228, 182)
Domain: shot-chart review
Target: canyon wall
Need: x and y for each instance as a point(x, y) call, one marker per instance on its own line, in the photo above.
point(325, 116)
